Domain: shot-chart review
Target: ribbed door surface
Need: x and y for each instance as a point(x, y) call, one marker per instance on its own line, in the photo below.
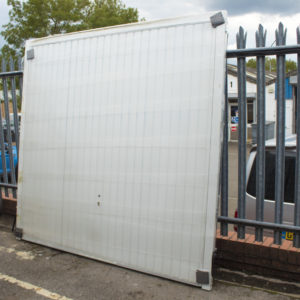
point(120, 144)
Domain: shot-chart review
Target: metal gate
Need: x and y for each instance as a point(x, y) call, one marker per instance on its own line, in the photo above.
point(260, 52)
point(10, 107)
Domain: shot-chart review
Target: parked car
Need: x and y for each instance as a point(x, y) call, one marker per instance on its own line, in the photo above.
point(7, 159)
point(289, 185)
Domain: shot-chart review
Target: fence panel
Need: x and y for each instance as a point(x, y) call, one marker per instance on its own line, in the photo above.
point(9, 127)
point(278, 226)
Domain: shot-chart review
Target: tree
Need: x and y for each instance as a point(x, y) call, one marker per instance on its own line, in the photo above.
point(39, 18)
point(109, 13)
point(290, 65)
point(270, 64)
point(251, 63)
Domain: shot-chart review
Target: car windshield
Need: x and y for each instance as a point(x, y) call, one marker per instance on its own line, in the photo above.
point(289, 179)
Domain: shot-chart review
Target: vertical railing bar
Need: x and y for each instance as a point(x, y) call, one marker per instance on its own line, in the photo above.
point(14, 101)
point(297, 175)
point(241, 43)
point(1, 202)
point(280, 134)
point(8, 131)
point(2, 140)
point(260, 158)
point(224, 183)
point(20, 67)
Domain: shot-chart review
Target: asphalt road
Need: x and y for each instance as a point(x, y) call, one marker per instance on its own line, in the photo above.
point(30, 271)
point(233, 176)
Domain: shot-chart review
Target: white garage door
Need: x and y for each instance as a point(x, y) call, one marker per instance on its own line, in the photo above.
point(120, 144)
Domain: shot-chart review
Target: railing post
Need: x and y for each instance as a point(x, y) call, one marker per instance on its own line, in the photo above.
point(2, 136)
point(260, 158)
point(20, 67)
point(297, 175)
point(241, 44)
point(8, 129)
point(280, 134)
point(224, 183)
point(14, 102)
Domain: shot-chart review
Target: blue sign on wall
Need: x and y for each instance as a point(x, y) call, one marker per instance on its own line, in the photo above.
point(234, 120)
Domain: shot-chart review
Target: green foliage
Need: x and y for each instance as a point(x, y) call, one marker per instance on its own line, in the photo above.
point(7, 53)
point(39, 18)
point(251, 63)
point(110, 12)
point(270, 64)
point(290, 65)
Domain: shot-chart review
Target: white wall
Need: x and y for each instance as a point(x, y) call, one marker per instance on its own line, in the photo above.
point(271, 104)
point(232, 80)
point(289, 117)
point(251, 87)
point(270, 101)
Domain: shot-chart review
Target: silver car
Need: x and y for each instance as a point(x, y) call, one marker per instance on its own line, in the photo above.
point(289, 184)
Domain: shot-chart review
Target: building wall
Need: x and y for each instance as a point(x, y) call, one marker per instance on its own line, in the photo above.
point(233, 88)
point(271, 101)
point(289, 117)
point(233, 91)
point(271, 104)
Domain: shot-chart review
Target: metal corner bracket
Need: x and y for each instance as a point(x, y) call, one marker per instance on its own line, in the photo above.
point(30, 54)
point(217, 19)
point(202, 277)
point(19, 233)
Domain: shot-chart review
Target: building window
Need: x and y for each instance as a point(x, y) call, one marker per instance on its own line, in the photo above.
point(234, 116)
point(250, 113)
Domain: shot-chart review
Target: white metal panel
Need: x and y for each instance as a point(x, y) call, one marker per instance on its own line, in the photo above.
point(120, 144)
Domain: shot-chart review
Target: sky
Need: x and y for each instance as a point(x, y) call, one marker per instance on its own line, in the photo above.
point(4, 18)
point(246, 13)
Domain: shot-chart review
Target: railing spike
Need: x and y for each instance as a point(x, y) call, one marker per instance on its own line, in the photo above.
point(261, 36)
point(241, 38)
point(280, 35)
